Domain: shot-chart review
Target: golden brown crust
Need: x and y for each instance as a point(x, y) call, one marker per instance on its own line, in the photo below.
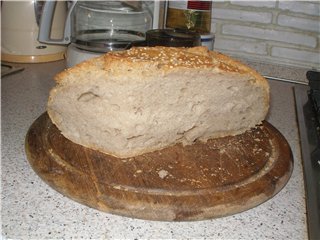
point(165, 57)
point(169, 58)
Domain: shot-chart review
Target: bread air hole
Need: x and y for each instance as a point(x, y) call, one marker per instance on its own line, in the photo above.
point(233, 88)
point(117, 131)
point(87, 96)
point(137, 111)
point(134, 137)
point(183, 90)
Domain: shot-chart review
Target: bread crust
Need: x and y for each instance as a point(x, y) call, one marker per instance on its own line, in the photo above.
point(160, 59)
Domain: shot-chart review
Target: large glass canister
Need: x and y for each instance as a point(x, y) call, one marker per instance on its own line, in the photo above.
point(104, 26)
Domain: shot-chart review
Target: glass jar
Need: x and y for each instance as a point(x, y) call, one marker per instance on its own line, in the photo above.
point(190, 15)
point(103, 26)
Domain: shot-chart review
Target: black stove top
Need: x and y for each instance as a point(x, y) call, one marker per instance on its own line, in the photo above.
point(308, 112)
point(314, 95)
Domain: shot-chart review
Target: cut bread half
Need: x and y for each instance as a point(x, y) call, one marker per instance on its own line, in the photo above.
point(132, 102)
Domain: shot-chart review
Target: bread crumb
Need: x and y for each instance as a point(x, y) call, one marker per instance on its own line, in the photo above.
point(163, 173)
point(221, 151)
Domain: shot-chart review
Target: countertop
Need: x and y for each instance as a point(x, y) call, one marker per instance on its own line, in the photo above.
point(33, 210)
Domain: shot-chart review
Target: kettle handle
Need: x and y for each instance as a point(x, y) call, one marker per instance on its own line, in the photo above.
point(46, 23)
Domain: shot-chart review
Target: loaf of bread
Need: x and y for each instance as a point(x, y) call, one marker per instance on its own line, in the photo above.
point(136, 101)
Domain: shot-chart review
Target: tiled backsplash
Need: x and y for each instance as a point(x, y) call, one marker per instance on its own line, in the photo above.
point(281, 32)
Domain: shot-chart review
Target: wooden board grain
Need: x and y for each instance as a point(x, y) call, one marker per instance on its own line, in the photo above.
point(205, 180)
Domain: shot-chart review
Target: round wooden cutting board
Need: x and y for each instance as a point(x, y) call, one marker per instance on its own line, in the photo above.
point(205, 180)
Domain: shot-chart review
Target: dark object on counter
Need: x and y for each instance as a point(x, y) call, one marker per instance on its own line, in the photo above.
point(172, 38)
point(205, 180)
point(314, 80)
point(308, 112)
point(7, 69)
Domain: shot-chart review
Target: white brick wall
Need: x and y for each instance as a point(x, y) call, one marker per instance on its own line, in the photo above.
point(269, 4)
point(295, 54)
point(234, 14)
point(248, 46)
point(298, 23)
point(270, 34)
point(281, 32)
point(306, 7)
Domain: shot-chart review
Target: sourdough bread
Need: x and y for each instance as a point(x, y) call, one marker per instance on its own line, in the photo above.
point(131, 102)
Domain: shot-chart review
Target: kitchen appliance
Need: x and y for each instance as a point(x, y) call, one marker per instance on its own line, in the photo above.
point(308, 112)
point(95, 27)
point(19, 32)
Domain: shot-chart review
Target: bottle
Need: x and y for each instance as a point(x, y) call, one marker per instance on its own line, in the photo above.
point(190, 15)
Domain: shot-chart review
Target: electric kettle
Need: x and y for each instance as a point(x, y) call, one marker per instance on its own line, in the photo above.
point(19, 32)
point(95, 27)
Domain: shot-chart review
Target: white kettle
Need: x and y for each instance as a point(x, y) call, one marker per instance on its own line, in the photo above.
point(20, 28)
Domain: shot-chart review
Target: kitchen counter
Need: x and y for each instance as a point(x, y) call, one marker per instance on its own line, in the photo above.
point(33, 210)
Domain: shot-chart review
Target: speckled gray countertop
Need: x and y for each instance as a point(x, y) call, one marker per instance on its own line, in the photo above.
point(33, 210)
